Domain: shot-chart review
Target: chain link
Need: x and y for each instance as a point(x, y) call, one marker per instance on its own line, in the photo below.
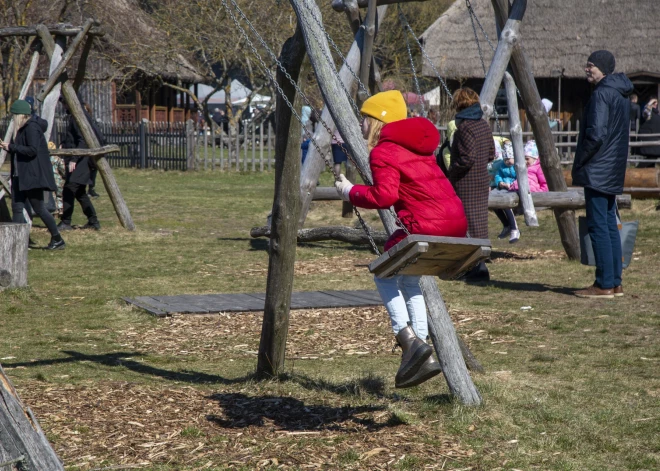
point(412, 60)
point(421, 48)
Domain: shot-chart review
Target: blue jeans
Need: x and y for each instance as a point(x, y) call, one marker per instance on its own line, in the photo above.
point(605, 238)
point(404, 302)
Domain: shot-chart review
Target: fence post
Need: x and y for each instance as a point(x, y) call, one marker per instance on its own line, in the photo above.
point(143, 144)
point(270, 133)
point(222, 149)
point(238, 146)
point(245, 147)
point(261, 147)
point(214, 128)
point(254, 146)
point(190, 144)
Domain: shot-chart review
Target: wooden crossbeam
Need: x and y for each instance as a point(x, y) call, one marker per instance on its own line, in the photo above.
point(60, 30)
point(99, 151)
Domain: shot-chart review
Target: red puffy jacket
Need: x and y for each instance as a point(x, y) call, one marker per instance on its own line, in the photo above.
point(406, 175)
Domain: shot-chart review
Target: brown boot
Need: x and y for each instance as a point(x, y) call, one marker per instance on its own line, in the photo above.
point(428, 370)
point(415, 353)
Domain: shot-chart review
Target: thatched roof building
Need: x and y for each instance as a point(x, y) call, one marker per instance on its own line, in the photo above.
point(557, 37)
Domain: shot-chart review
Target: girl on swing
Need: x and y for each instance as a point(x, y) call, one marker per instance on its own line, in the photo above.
point(406, 176)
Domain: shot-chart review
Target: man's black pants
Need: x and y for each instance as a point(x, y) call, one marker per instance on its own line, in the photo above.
point(75, 191)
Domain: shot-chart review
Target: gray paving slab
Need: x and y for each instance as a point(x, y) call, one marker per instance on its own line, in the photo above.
point(243, 302)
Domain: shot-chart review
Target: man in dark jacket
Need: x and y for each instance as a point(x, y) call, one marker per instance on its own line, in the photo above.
point(600, 167)
point(78, 176)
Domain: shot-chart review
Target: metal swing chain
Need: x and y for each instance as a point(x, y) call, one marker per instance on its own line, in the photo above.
point(291, 107)
point(412, 61)
point(428, 59)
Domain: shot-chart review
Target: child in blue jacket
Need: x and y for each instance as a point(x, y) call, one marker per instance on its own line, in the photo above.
point(504, 178)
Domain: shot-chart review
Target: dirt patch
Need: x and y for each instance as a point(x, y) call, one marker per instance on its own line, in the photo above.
point(128, 424)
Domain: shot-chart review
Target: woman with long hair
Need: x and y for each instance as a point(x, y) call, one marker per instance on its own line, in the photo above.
point(406, 176)
point(31, 170)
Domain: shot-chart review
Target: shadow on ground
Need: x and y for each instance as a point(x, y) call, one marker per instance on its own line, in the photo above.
point(125, 359)
point(288, 413)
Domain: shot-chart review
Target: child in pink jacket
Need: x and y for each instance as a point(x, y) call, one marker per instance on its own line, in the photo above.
point(537, 183)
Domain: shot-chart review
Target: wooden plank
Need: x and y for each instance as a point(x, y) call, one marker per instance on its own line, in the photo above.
point(147, 307)
point(477, 256)
point(403, 258)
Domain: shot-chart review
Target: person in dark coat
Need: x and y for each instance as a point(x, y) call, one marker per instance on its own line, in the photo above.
point(635, 112)
point(472, 148)
point(31, 171)
point(650, 126)
point(78, 177)
point(600, 167)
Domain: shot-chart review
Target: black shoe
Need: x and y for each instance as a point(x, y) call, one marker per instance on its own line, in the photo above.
point(477, 274)
point(55, 245)
point(32, 244)
point(92, 225)
point(93, 193)
point(63, 226)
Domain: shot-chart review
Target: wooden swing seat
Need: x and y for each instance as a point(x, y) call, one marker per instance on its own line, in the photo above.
point(445, 257)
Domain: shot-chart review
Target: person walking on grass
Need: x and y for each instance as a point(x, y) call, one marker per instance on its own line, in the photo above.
point(406, 176)
point(31, 170)
point(78, 175)
point(600, 167)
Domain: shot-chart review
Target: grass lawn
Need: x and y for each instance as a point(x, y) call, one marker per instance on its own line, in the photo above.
point(570, 384)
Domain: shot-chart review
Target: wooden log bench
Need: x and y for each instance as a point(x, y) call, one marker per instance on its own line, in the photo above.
point(572, 199)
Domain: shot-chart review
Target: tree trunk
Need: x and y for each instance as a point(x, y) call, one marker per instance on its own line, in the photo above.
point(538, 118)
point(519, 153)
point(13, 255)
point(286, 209)
point(440, 325)
point(91, 140)
point(23, 442)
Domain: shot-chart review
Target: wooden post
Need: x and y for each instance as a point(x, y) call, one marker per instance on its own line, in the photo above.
point(254, 147)
point(508, 39)
point(314, 163)
point(222, 149)
point(23, 443)
point(55, 75)
point(441, 328)
point(13, 255)
point(369, 26)
point(537, 116)
point(286, 205)
point(92, 141)
point(34, 62)
point(519, 152)
point(214, 129)
point(206, 147)
point(261, 146)
point(190, 145)
point(270, 145)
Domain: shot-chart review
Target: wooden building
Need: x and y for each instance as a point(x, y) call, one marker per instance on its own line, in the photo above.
point(557, 37)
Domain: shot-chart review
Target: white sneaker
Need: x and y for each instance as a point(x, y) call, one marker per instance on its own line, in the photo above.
point(506, 230)
point(515, 235)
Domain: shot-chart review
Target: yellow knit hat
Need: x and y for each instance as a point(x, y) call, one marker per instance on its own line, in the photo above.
point(386, 106)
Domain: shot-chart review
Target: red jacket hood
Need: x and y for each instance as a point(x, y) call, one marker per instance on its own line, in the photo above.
point(418, 135)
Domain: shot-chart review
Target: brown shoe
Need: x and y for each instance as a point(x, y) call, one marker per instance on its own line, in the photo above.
point(618, 291)
point(595, 292)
